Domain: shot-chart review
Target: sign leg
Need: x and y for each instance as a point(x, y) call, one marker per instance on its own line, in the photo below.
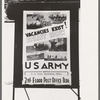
point(13, 93)
point(26, 93)
point(79, 93)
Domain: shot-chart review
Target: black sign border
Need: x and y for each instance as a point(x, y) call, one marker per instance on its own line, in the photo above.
point(74, 47)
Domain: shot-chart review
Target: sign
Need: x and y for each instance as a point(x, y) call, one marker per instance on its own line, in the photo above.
point(46, 48)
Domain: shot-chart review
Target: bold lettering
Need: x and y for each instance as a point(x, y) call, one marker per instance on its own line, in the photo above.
point(62, 26)
point(50, 65)
point(28, 66)
point(57, 28)
point(57, 66)
point(41, 31)
point(29, 34)
point(44, 66)
point(65, 65)
point(36, 64)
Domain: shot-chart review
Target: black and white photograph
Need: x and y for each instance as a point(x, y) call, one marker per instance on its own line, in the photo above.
point(39, 20)
point(50, 50)
point(59, 44)
point(55, 49)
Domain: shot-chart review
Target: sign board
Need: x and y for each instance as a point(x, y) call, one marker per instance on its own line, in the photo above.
point(46, 48)
point(46, 45)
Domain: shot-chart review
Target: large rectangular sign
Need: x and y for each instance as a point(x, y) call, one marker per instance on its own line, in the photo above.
point(46, 48)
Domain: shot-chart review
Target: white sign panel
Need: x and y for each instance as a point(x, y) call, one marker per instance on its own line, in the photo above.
point(46, 48)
